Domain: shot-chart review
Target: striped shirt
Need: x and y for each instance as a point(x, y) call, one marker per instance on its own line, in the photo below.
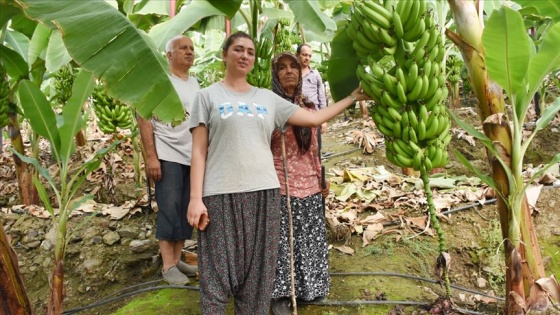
point(313, 88)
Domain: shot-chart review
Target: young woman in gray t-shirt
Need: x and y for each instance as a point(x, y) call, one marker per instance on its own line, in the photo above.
point(234, 183)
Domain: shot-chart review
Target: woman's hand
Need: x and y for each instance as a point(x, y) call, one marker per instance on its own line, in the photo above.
point(197, 214)
point(325, 191)
point(359, 95)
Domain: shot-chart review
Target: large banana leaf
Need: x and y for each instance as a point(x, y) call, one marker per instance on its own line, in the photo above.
point(72, 113)
point(309, 14)
point(506, 46)
point(550, 8)
point(14, 63)
point(57, 55)
point(39, 41)
point(155, 7)
point(546, 60)
point(188, 16)
point(342, 66)
point(40, 114)
point(104, 42)
point(229, 8)
point(18, 42)
point(7, 11)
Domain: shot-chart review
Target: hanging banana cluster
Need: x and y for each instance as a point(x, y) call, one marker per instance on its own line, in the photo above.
point(453, 66)
point(408, 85)
point(4, 97)
point(261, 76)
point(63, 81)
point(323, 68)
point(284, 38)
point(110, 112)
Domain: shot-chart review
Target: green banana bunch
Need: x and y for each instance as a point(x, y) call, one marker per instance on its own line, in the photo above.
point(401, 53)
point(63, 81)
point(323, 68)
point(453, 68)
point(110, 112)
point(4, 97)
point(260, 75)
point(284, 21)
point(284, 41)
point(264, 48)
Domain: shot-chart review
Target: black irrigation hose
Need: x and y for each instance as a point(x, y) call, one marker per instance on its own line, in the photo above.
point(322, 303)
point(394, 274)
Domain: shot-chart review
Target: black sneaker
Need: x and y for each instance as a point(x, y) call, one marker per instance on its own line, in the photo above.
point(281, 306)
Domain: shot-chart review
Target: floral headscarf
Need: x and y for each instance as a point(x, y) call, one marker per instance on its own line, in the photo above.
point(303, 134)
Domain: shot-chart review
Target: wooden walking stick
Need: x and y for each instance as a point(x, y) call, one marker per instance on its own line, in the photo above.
point(291, 227)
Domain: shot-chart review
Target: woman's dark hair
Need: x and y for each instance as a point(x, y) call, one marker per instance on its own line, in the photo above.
point(298, 50)
point(233, 37)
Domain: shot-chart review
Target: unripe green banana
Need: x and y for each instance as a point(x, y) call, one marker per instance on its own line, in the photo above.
point(389, 82)
point(403, 160)
point(434, 33)
point(412, 119)
point(401, 77)
point(423, 114)
point(403, 9)
point(401, 94)
point(437, 157)
point(412, 77)
point(425, 87)
point(386, 38)
point(413, 94)
point(421, 130)
point(371, 32)
point(397, 24)
point(379, 9)
point(413, 17)
point(416, 32)
point(365, 42)
point(412, 136)
point(417, 160)
point(388, 101)
point(375, 67)
point(394, 114)
point(432, 126)
point(403, 147)
point(374, 17)
point(404, 118)
point(397, 130)
point(384, 130)
point(427, 163)
point(432, 87)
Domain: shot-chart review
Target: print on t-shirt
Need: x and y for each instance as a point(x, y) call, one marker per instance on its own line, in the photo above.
point(243, 109)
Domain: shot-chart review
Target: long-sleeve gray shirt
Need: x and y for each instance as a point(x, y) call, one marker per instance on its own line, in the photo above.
point(314, 89)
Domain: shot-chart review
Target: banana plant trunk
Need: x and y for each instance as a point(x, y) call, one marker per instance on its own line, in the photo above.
point(81, 138)
point(523, 262)
point(27, 192)
point(56, 296)
point(13, 299)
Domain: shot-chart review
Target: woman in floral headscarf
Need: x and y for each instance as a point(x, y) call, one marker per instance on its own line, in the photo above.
point(304, 172)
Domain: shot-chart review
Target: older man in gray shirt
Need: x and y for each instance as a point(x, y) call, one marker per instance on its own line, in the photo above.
point(313, 86)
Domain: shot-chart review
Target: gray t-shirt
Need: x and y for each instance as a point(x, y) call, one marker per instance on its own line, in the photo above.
point(174, 144)
point(240, 129)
